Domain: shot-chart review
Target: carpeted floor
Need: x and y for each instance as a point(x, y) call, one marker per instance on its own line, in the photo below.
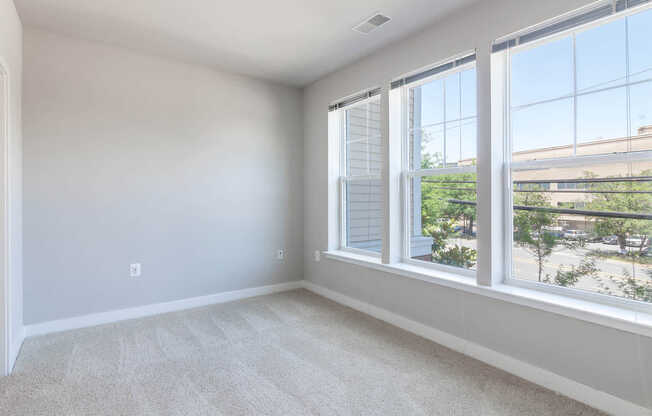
point(292, 353)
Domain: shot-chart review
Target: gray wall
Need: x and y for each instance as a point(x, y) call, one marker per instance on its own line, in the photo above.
point(609, 360)
point(11, 45)
point(129, 158)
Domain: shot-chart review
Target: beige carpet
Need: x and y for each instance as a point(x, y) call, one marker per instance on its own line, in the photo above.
point(292, 353)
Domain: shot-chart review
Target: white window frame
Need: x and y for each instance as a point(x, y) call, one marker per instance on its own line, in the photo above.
point(572, 161)
point(344, 178)
point(407, 174)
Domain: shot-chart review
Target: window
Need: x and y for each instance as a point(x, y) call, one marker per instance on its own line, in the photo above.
point(580, 134)
point(360, 173)
point(569, 195)
point(439, 165)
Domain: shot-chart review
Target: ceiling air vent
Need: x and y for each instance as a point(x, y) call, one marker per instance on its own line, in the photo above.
point(371, 23)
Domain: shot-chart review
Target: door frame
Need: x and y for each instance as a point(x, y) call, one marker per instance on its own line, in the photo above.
point(6, 329)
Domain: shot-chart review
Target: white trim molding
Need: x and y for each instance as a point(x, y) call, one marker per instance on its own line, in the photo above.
point(570, 388)
point(155, 309)
point(14, 348)
point(7, 289)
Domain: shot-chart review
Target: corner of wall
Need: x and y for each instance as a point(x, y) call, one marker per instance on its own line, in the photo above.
point(11, 52)
point(14, 349)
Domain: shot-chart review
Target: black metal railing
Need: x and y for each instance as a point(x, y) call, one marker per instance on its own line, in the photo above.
point(568, 211)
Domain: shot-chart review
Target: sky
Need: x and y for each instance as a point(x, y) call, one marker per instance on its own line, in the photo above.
point(459, 110)
point(546, 72)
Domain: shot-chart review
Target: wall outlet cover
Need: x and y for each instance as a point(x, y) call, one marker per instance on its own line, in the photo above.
point(134, 269)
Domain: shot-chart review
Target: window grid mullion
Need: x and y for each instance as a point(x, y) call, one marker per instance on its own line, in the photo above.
point(443, 86)
point(579, 94)
point(627, 88)
point(343, 214)
point(368, 114)
point(508, 197)
point(441, 123)
point(459, 79)
point(405, 183)
point(574, 94)
point(362, 178)
point(569, 162)
point(419, 173)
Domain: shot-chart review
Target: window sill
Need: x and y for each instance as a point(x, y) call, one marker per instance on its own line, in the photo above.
point(619, 318)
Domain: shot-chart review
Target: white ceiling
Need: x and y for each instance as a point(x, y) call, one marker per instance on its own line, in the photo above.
point(290, 41)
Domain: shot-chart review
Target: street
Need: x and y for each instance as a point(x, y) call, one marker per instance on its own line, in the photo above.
point(526, 267)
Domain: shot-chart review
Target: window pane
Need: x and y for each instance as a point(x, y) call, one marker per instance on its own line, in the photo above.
point(600, 54)
point(542, 72)
point(460, 143)
point(640, 47)
point(363, 141)
point(469, 142)
point(543, 131)
point(469, 94)
point(558, 241)
point(640, 96)
point(427, 104)
point(427, 148)
point(443, 221)
point(363, 214)
point(602, 122)
point(453, 98)
point(453, 143)
point(449, 139)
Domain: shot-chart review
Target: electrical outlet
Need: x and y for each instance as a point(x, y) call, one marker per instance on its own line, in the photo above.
point(280, 254)
point(134, 269)
point(317, 255)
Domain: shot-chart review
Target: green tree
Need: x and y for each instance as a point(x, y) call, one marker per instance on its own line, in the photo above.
point(628, 197)
point(625, 196)
point(531, 227)
point(443, 253)
point(570, 277)
point(431, 161)
point(437, 194)
point(442, 211)
point(456, 255)
point(628, 286)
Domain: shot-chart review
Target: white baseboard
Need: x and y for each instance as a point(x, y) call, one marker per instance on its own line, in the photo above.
point(154, 309)
point(580, 392)
point(14, 349)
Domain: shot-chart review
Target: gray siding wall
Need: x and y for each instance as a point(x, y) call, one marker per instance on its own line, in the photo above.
point(364, 155)
point(364, 199)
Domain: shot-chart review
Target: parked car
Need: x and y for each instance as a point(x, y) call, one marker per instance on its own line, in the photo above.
point(610, 239)
point(576, 235)
point(458, 229)
point(593, 238)
point(556, 232)
point(637, 241)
